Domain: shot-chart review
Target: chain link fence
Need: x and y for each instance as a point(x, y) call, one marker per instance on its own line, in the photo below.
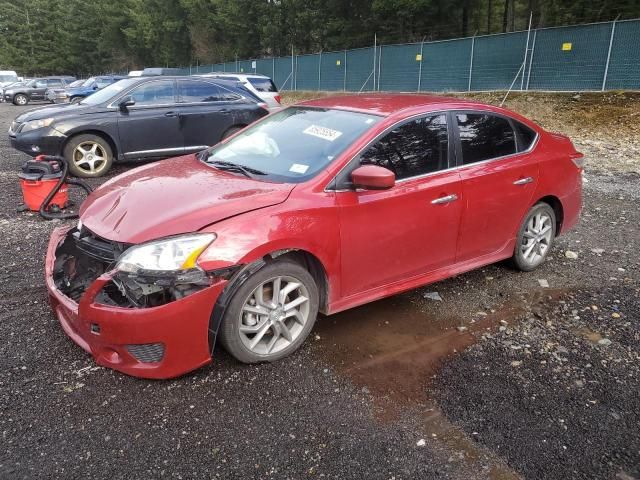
point(599, 56)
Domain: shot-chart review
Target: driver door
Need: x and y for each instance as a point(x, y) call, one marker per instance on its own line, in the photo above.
point(389, 236)
point(151, 127)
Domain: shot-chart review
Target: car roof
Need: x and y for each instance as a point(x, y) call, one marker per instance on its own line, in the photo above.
point(386, 104)
point(236, 74)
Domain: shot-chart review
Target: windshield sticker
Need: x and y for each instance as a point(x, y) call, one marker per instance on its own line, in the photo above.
point(322, 132)
point(299, 168)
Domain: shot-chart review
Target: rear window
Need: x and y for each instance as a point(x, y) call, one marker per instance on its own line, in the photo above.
point(263, 84)
point(484, 136)
point(526, 136)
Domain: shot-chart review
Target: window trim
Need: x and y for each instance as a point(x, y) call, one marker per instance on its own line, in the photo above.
point(215, 102)
point(113, 105)
point(458, 143)
point(332, 184)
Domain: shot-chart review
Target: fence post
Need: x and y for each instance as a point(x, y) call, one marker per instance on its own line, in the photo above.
point(319, 69)
point(379, 65)
point(344, 77)
point(533, 49)
point(375, 42)
point(420, 66)
point(526, 51)
point(273, 69)
point(606, 68)
point(295, 76)
point(473, 44)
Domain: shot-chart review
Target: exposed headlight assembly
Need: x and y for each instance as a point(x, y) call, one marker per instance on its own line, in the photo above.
point(169, 255)
point(159, 272)
point(36, 124)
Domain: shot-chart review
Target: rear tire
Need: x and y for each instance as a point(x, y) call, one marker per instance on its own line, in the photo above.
point(258, 328)
point(75, 100)
point(20, 100)
point(535, 237)
point(88, 156)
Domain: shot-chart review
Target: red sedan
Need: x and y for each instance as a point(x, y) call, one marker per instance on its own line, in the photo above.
point(320, 207)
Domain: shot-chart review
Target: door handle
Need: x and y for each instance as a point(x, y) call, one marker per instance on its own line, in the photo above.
point(448, 199)
point(523, 181)
point(224, 110)
point(171, 114)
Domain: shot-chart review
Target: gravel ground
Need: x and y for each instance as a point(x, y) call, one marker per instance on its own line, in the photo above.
point(502, 378)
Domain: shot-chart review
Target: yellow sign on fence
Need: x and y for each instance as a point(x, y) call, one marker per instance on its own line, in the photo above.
point(419, 57)
point(566, 47)
point(338, 62)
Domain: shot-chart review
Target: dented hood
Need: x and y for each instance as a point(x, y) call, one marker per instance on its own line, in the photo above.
point(178, 195)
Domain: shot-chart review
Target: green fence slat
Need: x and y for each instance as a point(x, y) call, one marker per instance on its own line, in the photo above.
point(624, 64)
point(445, 65)
point(496, 60)
point(359, 68)
point(399, 67)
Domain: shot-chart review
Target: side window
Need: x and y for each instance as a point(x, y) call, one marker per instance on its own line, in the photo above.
point(526, 136)
point(484, 136)
point(414, 148)
point(41, 84)
point(192, 91)
point(154, 93)
point(54, 82)
point(103, 82)
point(228, 95)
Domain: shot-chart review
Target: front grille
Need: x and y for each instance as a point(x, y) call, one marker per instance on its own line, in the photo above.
point(147, 352)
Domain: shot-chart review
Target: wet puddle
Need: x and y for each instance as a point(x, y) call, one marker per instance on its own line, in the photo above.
point(393, 347)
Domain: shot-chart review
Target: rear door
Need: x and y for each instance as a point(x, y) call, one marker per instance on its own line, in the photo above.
point(206, 112)
point(151, 127)
point(499, 176)
point(37, 91)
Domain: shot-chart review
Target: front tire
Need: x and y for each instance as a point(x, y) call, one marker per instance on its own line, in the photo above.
point(20, 100)
point(88, 156)
point(271, 314)
point(535, 237)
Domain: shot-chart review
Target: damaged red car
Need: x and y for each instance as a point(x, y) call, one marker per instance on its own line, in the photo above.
point(320, 207)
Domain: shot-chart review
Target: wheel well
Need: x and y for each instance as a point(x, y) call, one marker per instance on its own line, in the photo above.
point(315, 268)
point(556, 204)
point(107, 138)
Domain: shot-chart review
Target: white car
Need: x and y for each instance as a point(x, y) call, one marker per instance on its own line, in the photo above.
point(260, 85)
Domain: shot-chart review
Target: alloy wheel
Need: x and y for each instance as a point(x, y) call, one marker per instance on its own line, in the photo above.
point(274, 315)
point(90, 157)
point(21, 100)
point(537, 238)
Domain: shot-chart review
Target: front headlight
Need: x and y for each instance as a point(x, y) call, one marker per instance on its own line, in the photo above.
point(172, 254)
point(36, 124)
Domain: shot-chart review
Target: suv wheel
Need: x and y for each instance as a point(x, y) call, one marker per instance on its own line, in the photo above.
point(88, 156)
point(20, 99)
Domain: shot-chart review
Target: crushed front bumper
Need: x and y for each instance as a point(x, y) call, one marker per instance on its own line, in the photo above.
point(157, 342)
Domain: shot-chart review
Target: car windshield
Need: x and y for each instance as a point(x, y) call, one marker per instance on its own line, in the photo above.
point(89, 81)
point(77, 83)
point(107, 93)
point(292, 145)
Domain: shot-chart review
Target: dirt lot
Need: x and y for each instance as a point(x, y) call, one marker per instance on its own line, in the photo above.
point(502, 378)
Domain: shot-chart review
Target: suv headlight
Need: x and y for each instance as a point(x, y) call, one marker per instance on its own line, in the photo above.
point(36, 124)
point(174, 254)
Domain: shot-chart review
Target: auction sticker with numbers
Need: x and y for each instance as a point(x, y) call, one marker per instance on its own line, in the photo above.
point(322, 132)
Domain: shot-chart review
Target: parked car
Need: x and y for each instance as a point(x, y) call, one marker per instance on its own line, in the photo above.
point(9, 86)
point(35, 89)
point(320, 207)
point(155, 71)
point(75, 93)
point(261, 85)
point(137, 118)
point(7, 77)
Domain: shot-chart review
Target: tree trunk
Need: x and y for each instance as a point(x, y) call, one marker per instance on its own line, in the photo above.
point(505, 16)
point(489, 12)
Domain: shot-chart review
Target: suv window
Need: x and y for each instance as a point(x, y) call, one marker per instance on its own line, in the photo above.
point(195, 91)
point(262, 84)
point(154, 93)
point(484, 136)
point(413, 148)
point(526, 136)
point(39, 84)
point(54, 82)
point(103, 82)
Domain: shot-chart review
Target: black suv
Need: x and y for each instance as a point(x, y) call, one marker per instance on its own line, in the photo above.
point(35, 89)
point(137, 118)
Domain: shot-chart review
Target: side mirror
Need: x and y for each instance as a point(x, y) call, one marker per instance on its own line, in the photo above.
point(125, 102)
point(95, 87)
point(373, 177)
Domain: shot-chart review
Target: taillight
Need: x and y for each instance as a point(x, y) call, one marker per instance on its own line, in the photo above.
point(278, 98)
point(578, 159)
